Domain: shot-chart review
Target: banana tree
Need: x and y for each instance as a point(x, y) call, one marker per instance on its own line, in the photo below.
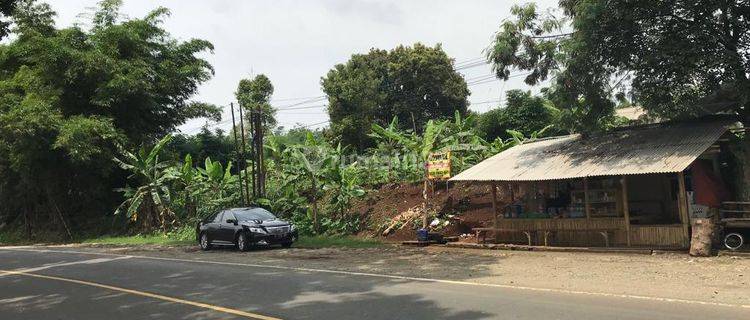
point(149, 202)
point(187, 181)
point(388, 140)
point(217, 180)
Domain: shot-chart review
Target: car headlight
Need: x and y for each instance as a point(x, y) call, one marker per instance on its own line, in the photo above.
point(255, 230)
point(291, 227)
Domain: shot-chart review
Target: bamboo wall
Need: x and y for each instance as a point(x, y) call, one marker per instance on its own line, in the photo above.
point(659, 236)
point(641, 236)
point(562, 237)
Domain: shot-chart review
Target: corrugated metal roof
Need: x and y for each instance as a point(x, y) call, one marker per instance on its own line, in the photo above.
point(658, 148)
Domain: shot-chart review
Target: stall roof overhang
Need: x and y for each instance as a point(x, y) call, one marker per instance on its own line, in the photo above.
point(657, 148)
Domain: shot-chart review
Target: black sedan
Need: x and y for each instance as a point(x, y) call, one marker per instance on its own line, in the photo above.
point(243, 228)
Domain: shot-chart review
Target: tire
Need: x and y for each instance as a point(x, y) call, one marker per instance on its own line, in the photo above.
point(287, 244)
point(243, 243)
point(734, 241)
point(204, 243)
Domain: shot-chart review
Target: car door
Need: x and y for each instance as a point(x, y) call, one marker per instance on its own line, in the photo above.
point(226, 230)
point(212, 228)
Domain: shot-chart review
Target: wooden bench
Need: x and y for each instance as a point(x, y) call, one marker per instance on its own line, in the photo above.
point(604, 232)
point(481, 233)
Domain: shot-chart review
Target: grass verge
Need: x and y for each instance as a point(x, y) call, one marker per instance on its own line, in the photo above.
point(182, 236)
point(138, 239)
point(186, 236)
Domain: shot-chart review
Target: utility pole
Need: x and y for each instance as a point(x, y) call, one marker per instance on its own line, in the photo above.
point(244, 163)
point(261, 165)
point(253, 152)
point(239, 157)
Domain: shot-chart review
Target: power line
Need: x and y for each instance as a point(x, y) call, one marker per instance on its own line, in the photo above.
point(321, 98)
point(464, 62)
point(484, 102)
point(480, 78)
point(302, 108)
point(315, 124)
point(300, 98)
point(471, 65)
point(493, 79)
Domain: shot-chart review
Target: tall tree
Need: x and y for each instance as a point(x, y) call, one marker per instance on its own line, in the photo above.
point(687, 58)
point(542, 44)
point(683, 58)
point(415, 84)
point(205, 144)
point(523, 112)
point(255, 94)
point(69, 98)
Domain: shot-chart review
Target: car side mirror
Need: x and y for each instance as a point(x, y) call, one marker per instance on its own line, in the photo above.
point(232, 221)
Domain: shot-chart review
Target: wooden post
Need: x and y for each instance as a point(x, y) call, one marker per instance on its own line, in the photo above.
point(495, 223)
point(625, 207)
point(424, 205)
point(586, 201)
point(683, 205)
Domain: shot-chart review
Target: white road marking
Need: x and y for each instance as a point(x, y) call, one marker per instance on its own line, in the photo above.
point(386, 276)
point(62, 264)
point(236, 312)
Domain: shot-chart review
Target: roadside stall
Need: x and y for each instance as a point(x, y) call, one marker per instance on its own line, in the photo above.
point(633, 186)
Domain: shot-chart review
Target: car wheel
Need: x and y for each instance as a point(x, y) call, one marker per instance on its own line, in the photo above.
point(287, 244)
point(204, 242)
point(242, 242)
point(734, 241)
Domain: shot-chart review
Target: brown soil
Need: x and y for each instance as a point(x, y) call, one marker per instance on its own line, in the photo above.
point(466, 206)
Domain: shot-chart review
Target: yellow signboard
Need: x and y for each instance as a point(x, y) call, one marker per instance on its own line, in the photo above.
point(439, 166)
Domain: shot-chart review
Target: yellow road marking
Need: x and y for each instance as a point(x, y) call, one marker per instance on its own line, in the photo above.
point(385, 276)
point(146, 294)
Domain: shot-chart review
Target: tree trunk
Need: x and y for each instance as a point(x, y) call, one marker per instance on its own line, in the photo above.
point(315, 205)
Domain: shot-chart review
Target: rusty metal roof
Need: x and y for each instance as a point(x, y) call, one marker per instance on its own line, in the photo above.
point(656, 148)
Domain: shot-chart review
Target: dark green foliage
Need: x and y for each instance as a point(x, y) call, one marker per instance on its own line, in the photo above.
point(522, 112)
point(543, 45)
point(687, 57)
point(681, 58)
point(71, 98)
point(254, 95)
point(206, 144)
point(414, 84)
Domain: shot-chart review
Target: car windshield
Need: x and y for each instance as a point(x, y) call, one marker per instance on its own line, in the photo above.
point(254, 214)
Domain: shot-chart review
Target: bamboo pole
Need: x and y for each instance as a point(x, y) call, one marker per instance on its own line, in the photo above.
point(682, 205)
point(625, 207)
point(586, 200)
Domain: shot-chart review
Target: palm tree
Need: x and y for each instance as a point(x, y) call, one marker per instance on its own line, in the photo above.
point(147, 204)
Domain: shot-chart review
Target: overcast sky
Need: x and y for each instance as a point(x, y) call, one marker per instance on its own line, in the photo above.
point(296, 42)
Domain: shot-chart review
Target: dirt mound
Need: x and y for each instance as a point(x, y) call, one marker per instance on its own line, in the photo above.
point(457, 208)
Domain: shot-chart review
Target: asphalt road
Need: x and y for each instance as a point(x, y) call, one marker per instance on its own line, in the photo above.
point(63, 284)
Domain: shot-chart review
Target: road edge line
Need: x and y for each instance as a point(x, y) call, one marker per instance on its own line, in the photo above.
point(397, 277)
